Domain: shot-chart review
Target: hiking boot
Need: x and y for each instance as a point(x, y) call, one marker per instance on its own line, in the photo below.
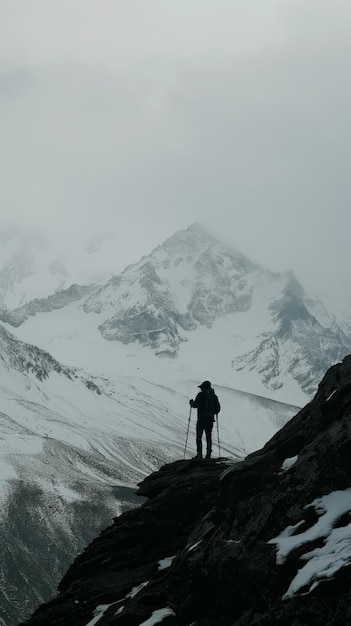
point(198, 456)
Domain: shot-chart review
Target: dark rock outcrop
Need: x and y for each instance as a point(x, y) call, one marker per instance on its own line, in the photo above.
point(231, 544)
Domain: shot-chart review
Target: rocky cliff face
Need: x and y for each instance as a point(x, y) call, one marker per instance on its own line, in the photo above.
point(261, 542)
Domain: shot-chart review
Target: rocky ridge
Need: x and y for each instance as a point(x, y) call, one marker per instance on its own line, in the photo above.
point(26, 358)
point(261, 542)
point(58, 300)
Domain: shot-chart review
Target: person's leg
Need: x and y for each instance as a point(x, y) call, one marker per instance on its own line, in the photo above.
point(208, 431)
point(199, 433)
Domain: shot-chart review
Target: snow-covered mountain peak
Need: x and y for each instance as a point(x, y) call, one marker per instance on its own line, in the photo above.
point(197, 240)
point(189, 281)
point(194, 238)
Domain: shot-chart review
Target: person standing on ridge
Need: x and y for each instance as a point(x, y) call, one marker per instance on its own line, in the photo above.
point(207, 405)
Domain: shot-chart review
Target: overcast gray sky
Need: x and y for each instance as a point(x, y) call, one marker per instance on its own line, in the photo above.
point(142, 116)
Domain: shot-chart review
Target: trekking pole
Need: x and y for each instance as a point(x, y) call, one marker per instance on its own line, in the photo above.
point(219, 445)
point(187, 432)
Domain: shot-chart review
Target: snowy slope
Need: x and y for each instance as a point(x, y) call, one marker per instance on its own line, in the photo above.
point(73, 445)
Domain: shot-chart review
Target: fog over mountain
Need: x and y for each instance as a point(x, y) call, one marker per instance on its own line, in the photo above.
point(120, 119)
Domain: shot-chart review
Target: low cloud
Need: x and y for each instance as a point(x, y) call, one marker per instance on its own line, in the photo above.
point(251, 141)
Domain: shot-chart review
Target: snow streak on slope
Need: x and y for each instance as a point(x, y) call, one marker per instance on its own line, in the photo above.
point(322, 563)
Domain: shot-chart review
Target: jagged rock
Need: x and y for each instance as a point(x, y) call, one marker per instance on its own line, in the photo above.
point(207, 547)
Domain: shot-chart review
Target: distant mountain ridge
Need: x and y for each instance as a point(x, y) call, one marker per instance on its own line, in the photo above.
point(192, 282)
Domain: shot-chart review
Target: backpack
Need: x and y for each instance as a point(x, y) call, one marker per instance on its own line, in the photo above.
point(211, 404)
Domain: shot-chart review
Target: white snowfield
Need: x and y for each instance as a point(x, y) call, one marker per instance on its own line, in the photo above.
point(67, 433)
point(72, 337)
point(321, 563)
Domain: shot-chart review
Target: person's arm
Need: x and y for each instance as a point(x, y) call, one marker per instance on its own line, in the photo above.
point(195, 403)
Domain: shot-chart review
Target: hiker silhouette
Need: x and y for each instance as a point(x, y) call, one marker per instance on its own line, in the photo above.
point(207, 405)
